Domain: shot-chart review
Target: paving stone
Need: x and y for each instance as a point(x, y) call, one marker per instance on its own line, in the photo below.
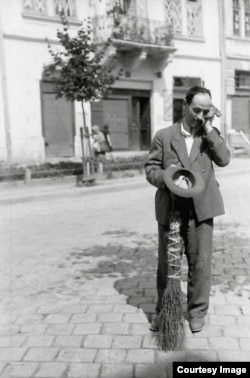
point(60, 329)
point(154, 370)
point(87, 329)
point(117, 370)
point(20, 369)
point(245, 309)
point(217, 300)
point(227, 309)
point(138, 356)
point(243, 319)
point(111, 356)
point(98, 341)
point(50, 309)
point(37, 329)
point(140, 329)
point(109, 318)
point(239, 299)
point(201, 355)
point(8, 330)
point(209, 330)
point(57, 318)
point(168, 357)
point(115, 329)
point(135, 318)
point(83, 318)
point(39, 341)
point(29, 319)
point(85, 370)
point(148, 342)
point(196, 343)
point(150, 292)
point(12, 354)
point(2, 365)
point(215, 319)
point(72, 341)
point(236, 330)
point(41, 354)
point(223, 343)
point(124, 308)
point(245, 343)
point(12, 341)
point(237, 355)
point(76, 355)
point(137, 300)
point(51, 369)
point(74, 309)
point(127, 342)
point(99, 308)
point(148, 308)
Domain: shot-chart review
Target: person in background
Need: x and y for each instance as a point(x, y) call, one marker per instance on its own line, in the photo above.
point(106, 133)
point(192, 143)
point(97, 137)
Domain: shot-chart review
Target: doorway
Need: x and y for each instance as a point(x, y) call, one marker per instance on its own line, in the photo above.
point(127, 112)
point(58, 124)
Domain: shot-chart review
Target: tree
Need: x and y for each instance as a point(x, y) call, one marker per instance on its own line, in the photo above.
point(80, 74)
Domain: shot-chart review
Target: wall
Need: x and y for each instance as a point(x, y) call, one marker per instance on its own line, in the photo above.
point(26, 54)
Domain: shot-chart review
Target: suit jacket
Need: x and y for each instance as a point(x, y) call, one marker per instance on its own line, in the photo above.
point(169, 147)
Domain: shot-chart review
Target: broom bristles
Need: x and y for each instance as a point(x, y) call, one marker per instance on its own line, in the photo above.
point(171, 322)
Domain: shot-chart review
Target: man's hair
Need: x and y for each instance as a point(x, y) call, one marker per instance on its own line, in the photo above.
point(194, 91)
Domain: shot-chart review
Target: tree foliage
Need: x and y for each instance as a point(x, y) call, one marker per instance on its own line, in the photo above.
point(78, 70)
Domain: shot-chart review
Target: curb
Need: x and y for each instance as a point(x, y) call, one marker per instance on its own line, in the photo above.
point(54, 189)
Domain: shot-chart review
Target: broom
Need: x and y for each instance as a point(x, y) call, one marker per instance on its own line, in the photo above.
point(170, 319)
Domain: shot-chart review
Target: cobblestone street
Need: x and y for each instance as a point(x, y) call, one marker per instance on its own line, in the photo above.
point(77, 278)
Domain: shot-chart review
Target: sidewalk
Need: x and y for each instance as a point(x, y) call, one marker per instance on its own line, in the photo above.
point(63, 187)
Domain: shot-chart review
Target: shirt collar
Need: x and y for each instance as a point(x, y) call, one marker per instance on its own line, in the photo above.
point(185, 133)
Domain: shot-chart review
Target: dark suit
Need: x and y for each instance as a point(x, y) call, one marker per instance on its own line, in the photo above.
point(169, 147)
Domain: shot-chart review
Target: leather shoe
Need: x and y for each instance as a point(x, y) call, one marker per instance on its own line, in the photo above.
point(154, 326)
point(196, 324)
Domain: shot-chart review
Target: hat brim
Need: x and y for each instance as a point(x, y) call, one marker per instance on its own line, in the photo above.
point(171, 174)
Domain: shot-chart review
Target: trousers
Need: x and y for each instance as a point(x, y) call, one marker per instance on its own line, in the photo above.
point(198, 246)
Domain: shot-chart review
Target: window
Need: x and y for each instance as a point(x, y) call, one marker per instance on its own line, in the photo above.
point(65, 6)
point(184, 16)
point(34, 6)
point(241, 18)
point(247, 18)
point(236, 17)
point(242, 80)
point(50, 8)
point(194, 18)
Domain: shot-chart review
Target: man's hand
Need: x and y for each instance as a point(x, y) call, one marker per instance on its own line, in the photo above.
point(209, 118)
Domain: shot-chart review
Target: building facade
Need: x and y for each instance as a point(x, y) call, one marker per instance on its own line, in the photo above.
point(237, 64)
point(163, 46)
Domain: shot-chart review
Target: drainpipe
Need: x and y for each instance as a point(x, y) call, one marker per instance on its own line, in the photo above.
point(222, 39)
point(5, 97)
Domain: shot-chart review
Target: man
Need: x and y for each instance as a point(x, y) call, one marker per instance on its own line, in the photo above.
point(192, 143)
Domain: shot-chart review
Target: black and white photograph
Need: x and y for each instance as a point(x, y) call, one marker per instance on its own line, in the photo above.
point(124, 188)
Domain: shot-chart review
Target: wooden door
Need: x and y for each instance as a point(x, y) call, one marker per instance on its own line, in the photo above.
point(115, 114)
point(58, 124)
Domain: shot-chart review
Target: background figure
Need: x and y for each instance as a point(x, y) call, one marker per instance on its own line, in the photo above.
point(106, 133)
point(97, 136)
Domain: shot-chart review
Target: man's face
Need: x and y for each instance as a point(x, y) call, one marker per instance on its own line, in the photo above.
point(196, 112)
